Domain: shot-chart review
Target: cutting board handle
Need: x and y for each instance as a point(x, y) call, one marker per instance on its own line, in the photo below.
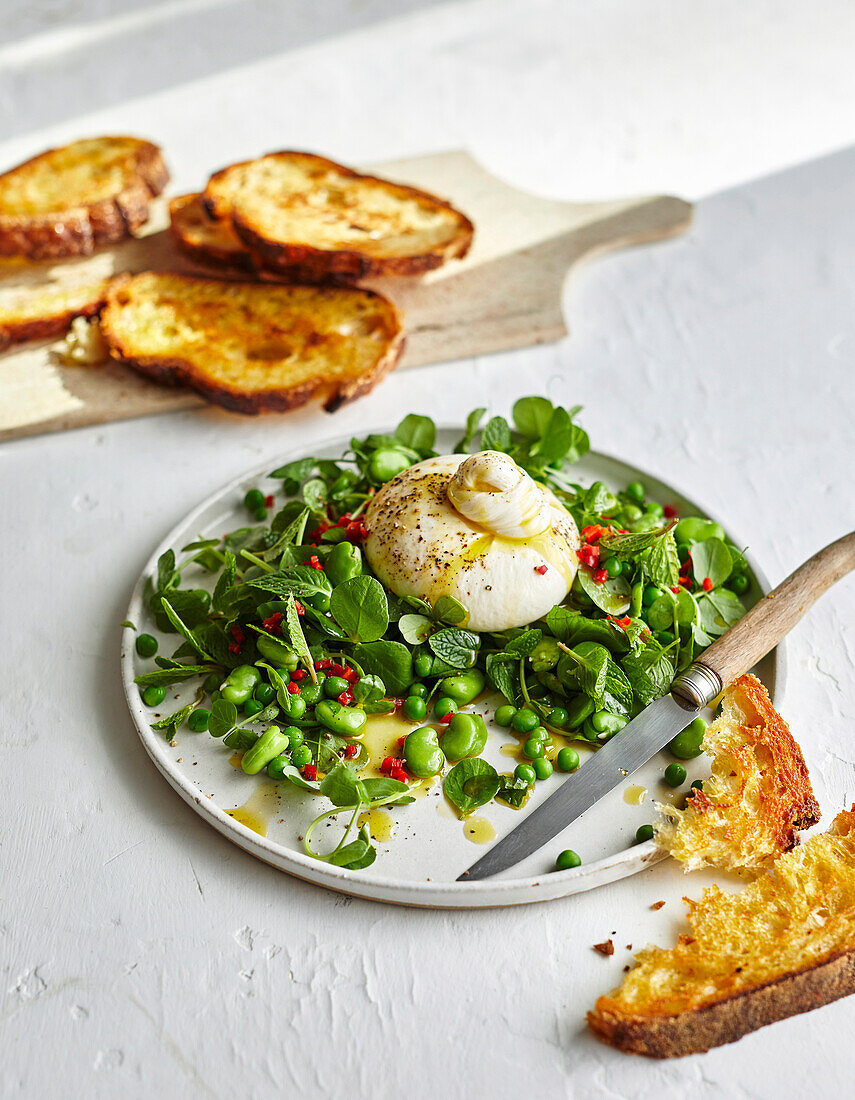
point(770, 620)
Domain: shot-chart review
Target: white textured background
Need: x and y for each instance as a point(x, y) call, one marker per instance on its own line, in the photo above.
point(141, 954)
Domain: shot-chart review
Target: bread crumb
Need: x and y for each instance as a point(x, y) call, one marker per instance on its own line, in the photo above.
point(629, 947)
point(84, 346)
point(657, 905)
point(605, 948)
point(627, 968)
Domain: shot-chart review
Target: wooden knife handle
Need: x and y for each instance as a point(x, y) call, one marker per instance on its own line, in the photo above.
point(774, 616)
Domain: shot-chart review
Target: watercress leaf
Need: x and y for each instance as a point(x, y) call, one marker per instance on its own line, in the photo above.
point(166, 574)
point(627, 546)
point(298, 639)
point(719, 610)
point(359, 607)
point(449, 610)
point(184, 630)
point(415, 629)
point(315, 494)
point(524, 643)
point(293, 776)
point(458, 648)
point(496, 435)
point(471, 783)
point(558, 438)
point(418, 432)
point(379, 706)
point(662, 613)
point(661, 562)
point(503, 674)
point(353, 855)
point(223, 718)
point(532, 416)
point(612, 596)
point(200, 544)
point(341, 786)
point(300, 581)
point(363, 861)
point(383, 788)
point(572, 627)
point(191, 604)
point(711, 558)
point(391, 661)
point(473, 423)
point(295, 471)
point(163, 677)
point(617, 693)
point(225, 582)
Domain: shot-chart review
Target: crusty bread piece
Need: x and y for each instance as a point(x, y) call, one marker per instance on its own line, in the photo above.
point(783, 945)
point(251, 347)
point(297, 208)
point(67, 201)
point(758, 796)
point(43, 314)
point(207, 240)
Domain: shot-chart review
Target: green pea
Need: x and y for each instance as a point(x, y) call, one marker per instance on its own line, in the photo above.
point(198, 720)
point(240, 684)
point(612, 566)
point(301, 756)
point(444, 705)
point(264, 693)
point(651, 595)
point(578, 710)
point(295, 736)
point(293, 706)
point(276, 767)
point(464, 687)
point(334, 686)
point(525, 720)
point(252, 706)
point(504, 715)
point(153, 696)
point(632, 512)
point(738, 584)
point(604, 721)
point(567, 759)
point(465, 735)
point(534, 749)
point(343, 563)
point(695, 529)
point(387, 463)
point(542, 767)
point(422, 664)
point(276, 653)
point(416, 710)
point(675, 775)
point(525, 772)
point(369, 689)
point(271, 743)
point(240, 740)
point(146, 645)
point(347, 721)
point(558, 717)
point(419, 690)
point(642, 833)
point(687, 744)
point(653, 508)
point(254, 500)
point(539, 733)
point(636, 492)
point(312, 693)
point(259, 514)
point(567, 860)
point(422, 753)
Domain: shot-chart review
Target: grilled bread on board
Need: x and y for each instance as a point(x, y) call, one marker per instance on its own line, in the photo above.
point(252, 347)
point(70, 200)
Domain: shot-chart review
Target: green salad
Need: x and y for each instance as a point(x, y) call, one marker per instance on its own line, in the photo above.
point(294, 644)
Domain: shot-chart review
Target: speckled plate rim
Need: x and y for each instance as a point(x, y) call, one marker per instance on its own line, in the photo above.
point(484, 894)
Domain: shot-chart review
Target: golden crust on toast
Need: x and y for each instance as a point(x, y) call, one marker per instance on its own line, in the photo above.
point(68, 201)
point(759, 794)
point(294, 208)
point(783, 945)
point(207, 240)
point(253, 347)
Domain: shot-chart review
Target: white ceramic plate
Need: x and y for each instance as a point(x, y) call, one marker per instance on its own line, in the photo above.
point(429, 847)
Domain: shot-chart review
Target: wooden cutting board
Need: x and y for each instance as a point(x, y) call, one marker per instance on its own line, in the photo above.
point(507, 293)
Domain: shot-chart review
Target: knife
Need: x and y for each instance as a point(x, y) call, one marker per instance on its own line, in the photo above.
point(733, 654)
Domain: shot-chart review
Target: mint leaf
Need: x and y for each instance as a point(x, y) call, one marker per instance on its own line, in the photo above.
point(458, 648)
point(496, 435)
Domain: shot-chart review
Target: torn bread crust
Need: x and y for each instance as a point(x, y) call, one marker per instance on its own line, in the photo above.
point(82, 227)
point(758, 797)
point(728, 1019)
point(56, 318)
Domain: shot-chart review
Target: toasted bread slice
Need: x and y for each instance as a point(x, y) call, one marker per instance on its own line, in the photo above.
point(758, 796)
point(300, 209)
point(783, 945)
point(67, 201)
point(206, 240)
point(47, 313)
point(251, 347)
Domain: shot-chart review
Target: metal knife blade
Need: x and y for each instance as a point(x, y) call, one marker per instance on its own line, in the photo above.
point(621, 756)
